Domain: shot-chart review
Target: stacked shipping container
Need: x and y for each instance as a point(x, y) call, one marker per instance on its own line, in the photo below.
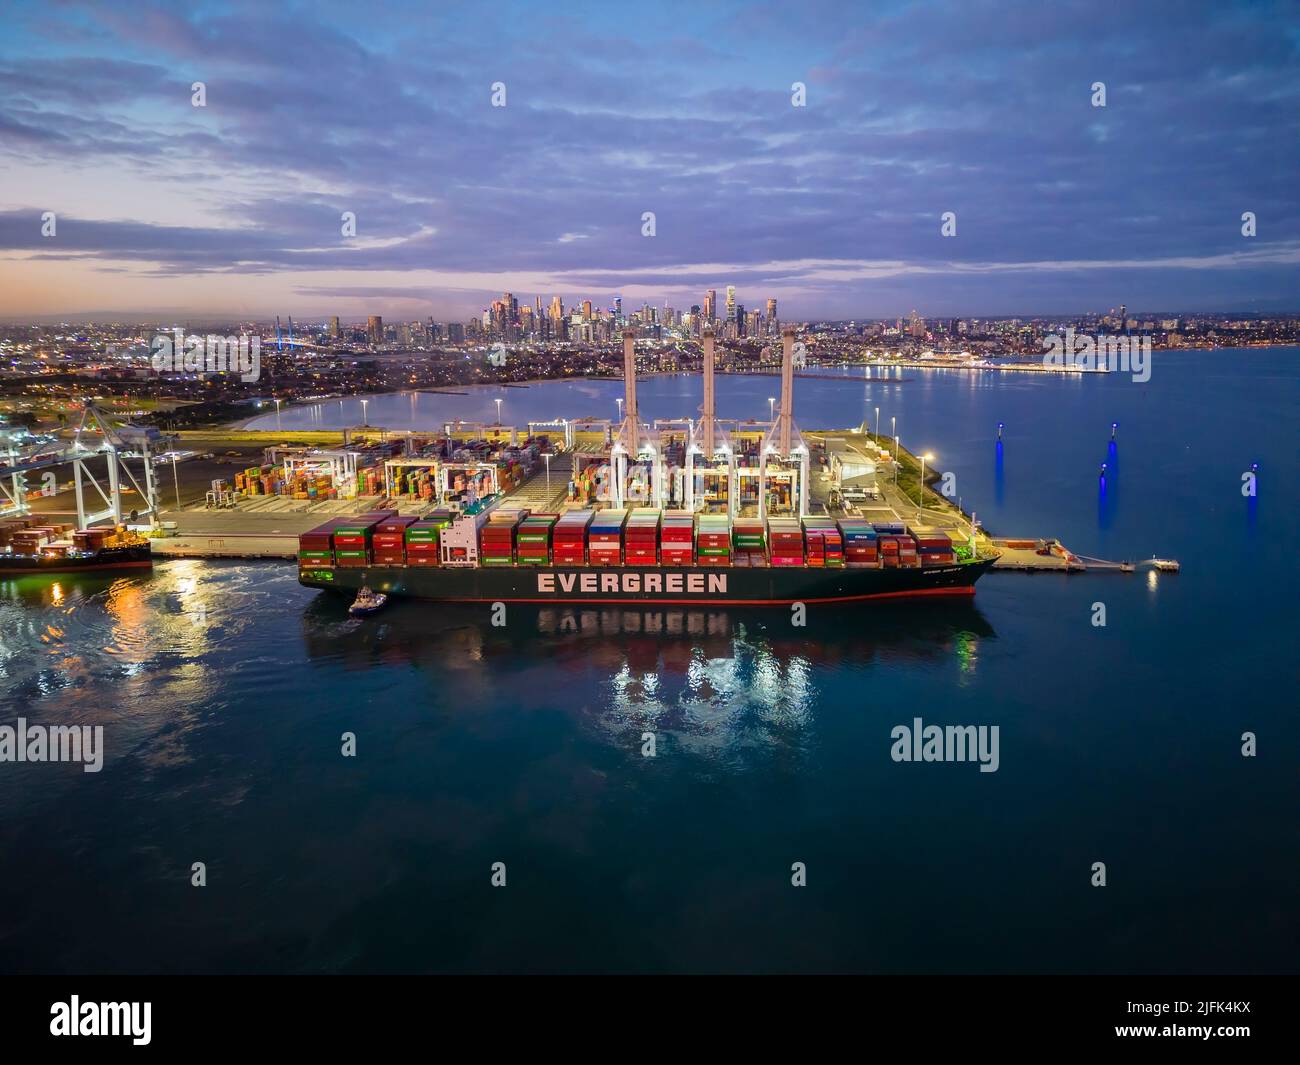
point(713, 540)
point(934, 548)
point(677, 538)
point(423, 541)
point(534, 540)
point(496, 546)
point(749, 539)
point(316, 546)
point(860, 542)
point(353, 538)
point(605, 538)
point(823, 544)
point(570, 538)
point(785, 541)
point(642, 537)
point(388, 541)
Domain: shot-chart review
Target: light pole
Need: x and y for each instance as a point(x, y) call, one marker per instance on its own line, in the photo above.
point(771, 408)
point(894, 433)
point(877, 423)
point(277, 412)
point(921, 496)
point(365, 418)
point(176, 478)
point(619, 401)
point(547, 456)
point(897, 459)
point(498, 402)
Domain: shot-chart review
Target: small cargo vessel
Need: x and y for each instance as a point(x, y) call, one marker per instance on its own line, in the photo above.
point(29, 547)
point(637, 556)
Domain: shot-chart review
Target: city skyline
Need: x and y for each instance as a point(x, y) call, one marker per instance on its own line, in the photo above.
point(834, 208)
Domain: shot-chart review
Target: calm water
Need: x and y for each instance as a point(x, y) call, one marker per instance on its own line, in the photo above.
point(224, 689)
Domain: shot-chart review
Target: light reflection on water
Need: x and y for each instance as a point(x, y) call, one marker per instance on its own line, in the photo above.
point(147, 656)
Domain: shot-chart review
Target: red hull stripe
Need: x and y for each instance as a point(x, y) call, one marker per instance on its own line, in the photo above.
point(967, 590)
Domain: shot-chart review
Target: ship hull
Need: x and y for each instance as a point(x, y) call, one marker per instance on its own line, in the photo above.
point(735, 585)
point(137, 556)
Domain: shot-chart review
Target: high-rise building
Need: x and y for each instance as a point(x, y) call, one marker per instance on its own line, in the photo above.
point(557, 308)
point(731, 303)
point(711, 305)
point(586, 310)
point(334, 327)
point(375, 329)
point(618, 310)
point(771, 309)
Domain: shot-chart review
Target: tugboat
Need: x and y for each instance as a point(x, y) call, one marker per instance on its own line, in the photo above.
point(367, 603)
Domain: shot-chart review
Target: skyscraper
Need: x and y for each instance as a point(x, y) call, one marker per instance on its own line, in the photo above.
point(771, 309)
point(375, 329)
point(731, 303)
point(334, 327)
point(711, 304)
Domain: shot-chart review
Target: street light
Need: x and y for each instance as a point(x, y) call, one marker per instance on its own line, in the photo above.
point(547, 456)
point(877, 423)
point(893, 431)
point(771, 408)
point(619, 401)
point(365, 418)
point(277, 412)
point(498, 403)
point(920, 499)
point(176, 477)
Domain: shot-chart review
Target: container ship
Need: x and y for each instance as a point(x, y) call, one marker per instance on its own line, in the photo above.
point(637, 555)
point(27, 547)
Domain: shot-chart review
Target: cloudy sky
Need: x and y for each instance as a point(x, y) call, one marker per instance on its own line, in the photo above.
point(685, 110)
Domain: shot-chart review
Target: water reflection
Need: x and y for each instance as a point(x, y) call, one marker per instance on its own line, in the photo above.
point(146, 656)
point(718, 681)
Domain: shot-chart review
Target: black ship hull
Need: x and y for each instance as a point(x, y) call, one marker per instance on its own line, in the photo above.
point(137, 556)
point(722, 585)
